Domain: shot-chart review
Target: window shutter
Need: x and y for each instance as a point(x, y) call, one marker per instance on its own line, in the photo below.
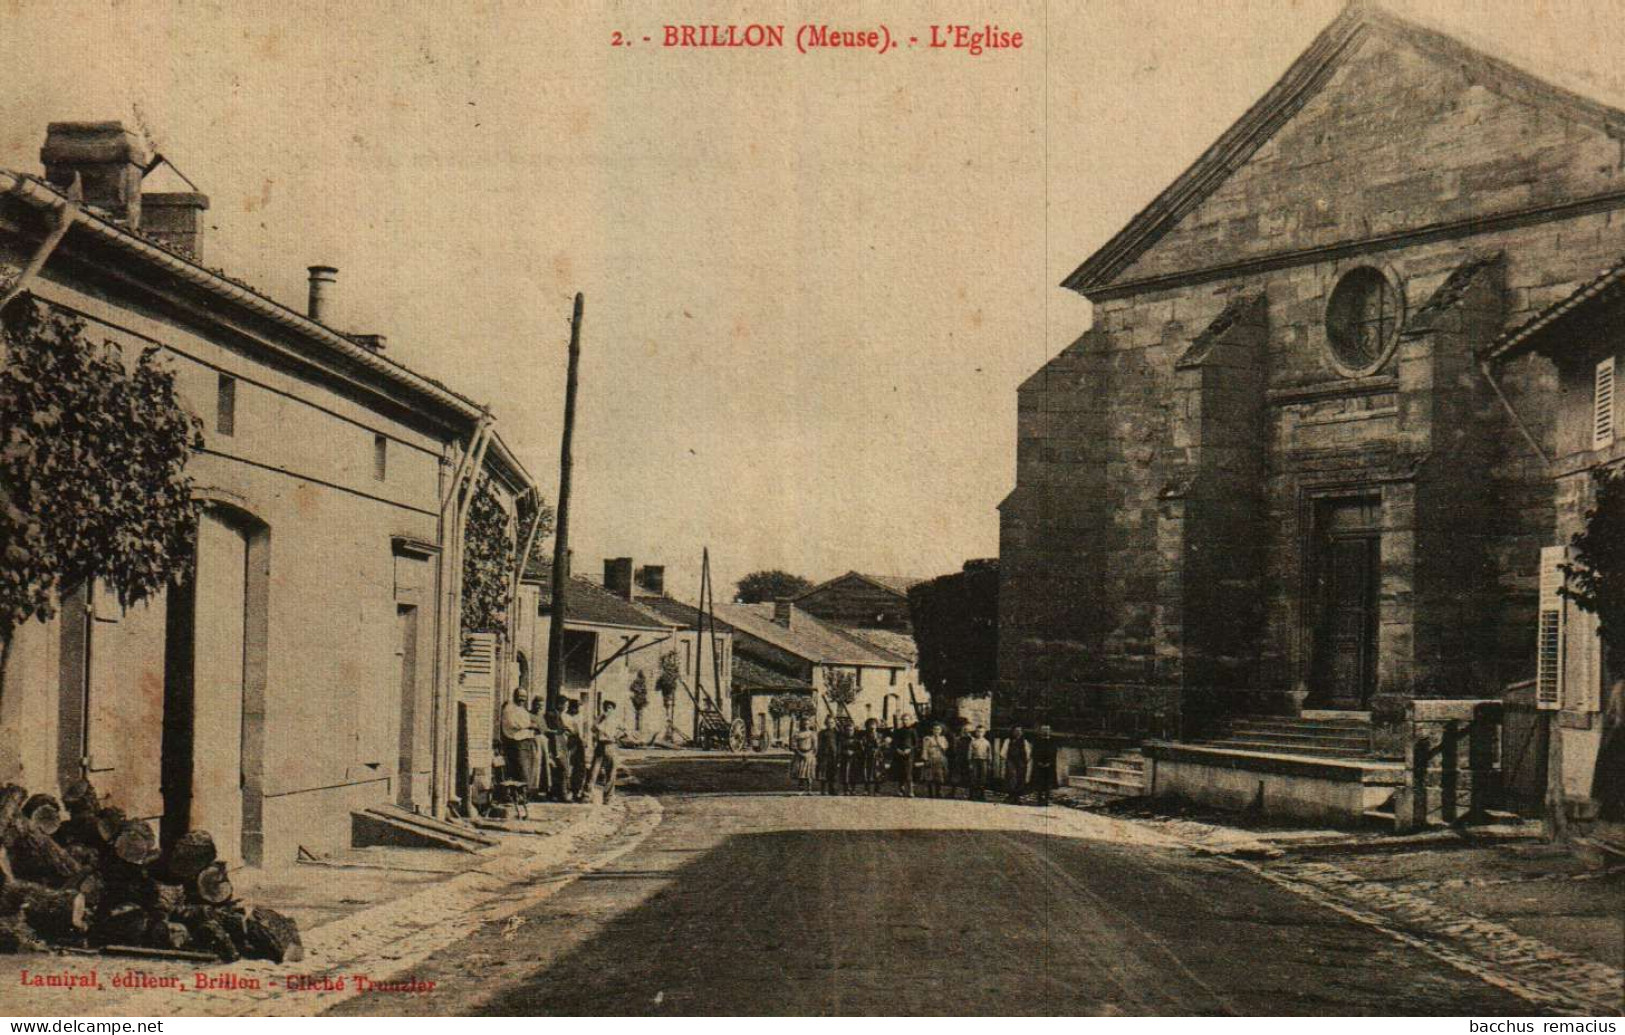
point(476, 693)
point(1549, 648)
point(1602, 405)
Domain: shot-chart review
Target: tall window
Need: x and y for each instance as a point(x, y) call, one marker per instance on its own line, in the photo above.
point(380, 457)
point(1602, 405)
point(225, 406)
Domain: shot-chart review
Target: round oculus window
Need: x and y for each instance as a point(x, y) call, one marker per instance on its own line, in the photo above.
point(1362, 321)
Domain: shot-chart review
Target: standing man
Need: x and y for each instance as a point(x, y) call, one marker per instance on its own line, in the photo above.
point(905, 741)
point(829, 755)
point(1044, 764)
point(1017, 755)
point(574, 723)
point(978, 755)
point(540, 786)
point(518, 742)
point(605, 759)
point(558, 751)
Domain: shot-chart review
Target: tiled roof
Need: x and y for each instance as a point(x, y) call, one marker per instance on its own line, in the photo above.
point(900, 644)
point(807, 638)
point(899, 584)
point(686, 615)
point(748, 675)
point(1529, 334)
point(590, 604)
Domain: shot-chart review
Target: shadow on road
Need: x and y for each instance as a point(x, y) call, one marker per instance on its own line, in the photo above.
point(945, 922)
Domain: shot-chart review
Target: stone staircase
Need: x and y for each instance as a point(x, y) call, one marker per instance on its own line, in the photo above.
point(1320, 737)
point(1119, 776)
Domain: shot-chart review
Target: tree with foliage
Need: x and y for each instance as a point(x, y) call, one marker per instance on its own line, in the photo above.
point(489, 556)
point(764, 587)
point(93, 481)
point(842, 689)
point(640, 697)
point(956, 630)
point(793, 705)
point(1596, 579)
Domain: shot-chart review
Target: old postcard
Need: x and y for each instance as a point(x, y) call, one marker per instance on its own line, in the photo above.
point(1065, 507)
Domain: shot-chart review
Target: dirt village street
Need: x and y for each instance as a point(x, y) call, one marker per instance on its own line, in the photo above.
point(748, 899)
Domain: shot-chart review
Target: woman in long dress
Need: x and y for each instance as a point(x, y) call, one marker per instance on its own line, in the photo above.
point(804, 765)
point(934, 761)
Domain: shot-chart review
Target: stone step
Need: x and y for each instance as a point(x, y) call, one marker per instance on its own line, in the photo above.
point(1313, 729)
point(1125, 760)
point(1117, 788)
point(1111, 772)
point(1292, 737)
point(1287, 748)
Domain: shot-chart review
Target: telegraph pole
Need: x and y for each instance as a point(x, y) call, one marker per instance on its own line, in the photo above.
point(561, 535)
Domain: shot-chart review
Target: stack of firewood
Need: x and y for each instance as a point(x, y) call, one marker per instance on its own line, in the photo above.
point(77, 873)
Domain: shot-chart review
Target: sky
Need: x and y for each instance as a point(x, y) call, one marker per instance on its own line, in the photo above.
point(813, 281)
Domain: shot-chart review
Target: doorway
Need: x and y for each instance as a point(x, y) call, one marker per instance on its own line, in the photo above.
point(1346, 565)
point(214, 688)
point(406, 650)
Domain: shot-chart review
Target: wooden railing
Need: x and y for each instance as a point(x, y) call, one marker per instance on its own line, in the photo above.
point(1478, 725)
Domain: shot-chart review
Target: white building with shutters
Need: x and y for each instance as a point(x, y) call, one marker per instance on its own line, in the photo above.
point(305, 670)
point(1583, 336)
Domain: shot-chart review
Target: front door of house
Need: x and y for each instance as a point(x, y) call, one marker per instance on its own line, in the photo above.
point(1347, 566)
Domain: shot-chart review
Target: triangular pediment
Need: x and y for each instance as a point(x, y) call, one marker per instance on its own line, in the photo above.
point(1381, 127)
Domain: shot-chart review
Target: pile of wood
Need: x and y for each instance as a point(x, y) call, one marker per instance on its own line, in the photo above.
point(77, 873)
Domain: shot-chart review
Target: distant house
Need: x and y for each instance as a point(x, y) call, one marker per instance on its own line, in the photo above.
point(754, 687)
point(861, 601)
point(782, 638)
point(611, 637)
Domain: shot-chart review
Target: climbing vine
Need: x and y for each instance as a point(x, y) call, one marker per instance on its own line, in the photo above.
point(842, 689)
point(669, 678)
point(93, 454)
point(1596, 579)
point(489, 557)
point(794, 705)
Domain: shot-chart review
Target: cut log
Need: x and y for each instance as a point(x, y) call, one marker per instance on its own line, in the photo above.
point(165, 934)
point(124, 924)
point(36, 856)
point(165, 898)
point(274, 937)
point(81, 799)
point(83, 854)
point(91, 885)
point(190, 855)
point(135, 843)
point(110, 820)
point(7, 875)
point(212, 885)
point(12, 798)
point(45, 812)
point(17, 936)
point(58, 914)
point(210, 935)
point(55, 913)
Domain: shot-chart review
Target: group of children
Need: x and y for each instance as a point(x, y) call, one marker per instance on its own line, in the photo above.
point(848, 760)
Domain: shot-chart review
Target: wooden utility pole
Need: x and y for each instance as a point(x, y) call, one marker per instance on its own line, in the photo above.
point(561, 535)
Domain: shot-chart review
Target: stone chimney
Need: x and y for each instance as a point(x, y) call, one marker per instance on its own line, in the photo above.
point(652, 578)
point(618, 576)
point(323, 286)
point(108, 159)
point(175, 220)
point(783, 612)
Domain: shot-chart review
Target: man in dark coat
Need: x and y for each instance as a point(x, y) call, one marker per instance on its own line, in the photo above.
point(905, 742)
point(1017, 755)
point(829, 755)
point(1044, 764)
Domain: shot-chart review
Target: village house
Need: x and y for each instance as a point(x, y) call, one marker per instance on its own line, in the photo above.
point(304, 671)
point(1583, 336)
point(1271, 494)
point(871, 608)
point(781, 640)
point(614, 638)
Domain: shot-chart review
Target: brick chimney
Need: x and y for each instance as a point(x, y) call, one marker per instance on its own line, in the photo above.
point(783, 612)
point(652, 578)
point(323, 286)
point(108, 159)
point(618, 576)
point(175, 219)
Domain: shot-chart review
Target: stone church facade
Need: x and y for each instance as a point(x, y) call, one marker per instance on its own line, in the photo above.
point(1274, 474)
